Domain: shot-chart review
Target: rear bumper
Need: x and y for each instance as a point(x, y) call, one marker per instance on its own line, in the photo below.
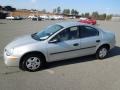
point(112, 45)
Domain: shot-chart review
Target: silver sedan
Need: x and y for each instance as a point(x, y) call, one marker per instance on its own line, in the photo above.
point(58, 42)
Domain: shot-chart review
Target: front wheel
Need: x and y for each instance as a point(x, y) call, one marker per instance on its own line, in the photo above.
point(102, 52)
point(32, 62)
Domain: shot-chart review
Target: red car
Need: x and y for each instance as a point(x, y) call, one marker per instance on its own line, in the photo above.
point(88, 21)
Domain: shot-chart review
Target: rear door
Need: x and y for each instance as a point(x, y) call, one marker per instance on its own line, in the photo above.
point(89, 39)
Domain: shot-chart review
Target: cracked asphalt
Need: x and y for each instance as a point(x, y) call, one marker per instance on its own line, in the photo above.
point(84, 73)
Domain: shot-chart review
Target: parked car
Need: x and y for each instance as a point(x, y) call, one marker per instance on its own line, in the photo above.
point(31, 16)
point(56, 17)
point(72, 17)
point(36, 18)
point(60, 18)
point(83, 18)
point(17, 18)
point(10, 18)
point(52, 17)
point(44, 17)
point(58, 42)
point(88, 21)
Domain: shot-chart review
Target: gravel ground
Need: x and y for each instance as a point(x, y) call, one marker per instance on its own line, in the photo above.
point(84, 73)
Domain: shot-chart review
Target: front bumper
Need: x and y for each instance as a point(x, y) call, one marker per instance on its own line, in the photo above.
point(11, 60)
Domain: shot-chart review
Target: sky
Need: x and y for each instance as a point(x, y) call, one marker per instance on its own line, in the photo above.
point(102, 6)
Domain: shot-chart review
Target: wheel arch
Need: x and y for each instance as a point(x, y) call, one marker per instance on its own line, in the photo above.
point(32, 52)
point(105, 44)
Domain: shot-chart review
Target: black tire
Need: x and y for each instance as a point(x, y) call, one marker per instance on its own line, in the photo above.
point(102, 52)
point(34, 60)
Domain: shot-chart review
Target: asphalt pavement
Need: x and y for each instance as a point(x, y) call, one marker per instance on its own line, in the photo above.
point(84, 73)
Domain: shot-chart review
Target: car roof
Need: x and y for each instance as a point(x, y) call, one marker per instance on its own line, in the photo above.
point(70, 24)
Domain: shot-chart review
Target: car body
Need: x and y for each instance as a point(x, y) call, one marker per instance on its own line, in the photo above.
point(45, 17)
point(31, 16)
point(83, 18)
point(56, 17)
point(88, 21)
point(37, 19)
point(58, 42)
point(72, 17)
point(18, 18)
point(10, 18)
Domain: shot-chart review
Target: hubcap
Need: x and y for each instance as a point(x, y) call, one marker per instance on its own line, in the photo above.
point(33, 63)
point(103, 53)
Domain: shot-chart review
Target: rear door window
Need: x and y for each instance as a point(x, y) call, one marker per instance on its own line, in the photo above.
point(87, 31)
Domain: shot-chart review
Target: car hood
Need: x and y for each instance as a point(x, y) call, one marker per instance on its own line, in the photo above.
point(24, 40)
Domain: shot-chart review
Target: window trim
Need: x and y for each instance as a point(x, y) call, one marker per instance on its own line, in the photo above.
point(65, 29)
point(98, 33)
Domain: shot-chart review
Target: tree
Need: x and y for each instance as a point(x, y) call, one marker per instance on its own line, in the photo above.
point(1, 7)
point(72, 12)
point(87, 15)
point(102, 17)
point(54, 11)
point(76, 12)
point(3, 15)
point(66, 11)
point(82, 15)
point(95, 15)
point(108, 17)
point(58, 10)
point(44, 10)
point(34, 10)
point(9, 8)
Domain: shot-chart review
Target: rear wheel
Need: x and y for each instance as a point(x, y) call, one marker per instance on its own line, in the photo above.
point(102, 52)
point(32, 62)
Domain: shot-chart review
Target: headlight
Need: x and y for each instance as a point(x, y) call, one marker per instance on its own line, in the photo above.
point(9, 52)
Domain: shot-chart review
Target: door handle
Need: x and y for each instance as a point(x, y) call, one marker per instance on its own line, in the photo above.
point(76, 44)
point(97, 41)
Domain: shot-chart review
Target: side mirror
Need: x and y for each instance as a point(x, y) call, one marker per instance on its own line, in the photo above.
point(54, 41)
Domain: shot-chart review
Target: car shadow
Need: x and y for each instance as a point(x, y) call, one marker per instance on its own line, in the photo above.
point(70, 61)
point(2, 23)
point(114, 52)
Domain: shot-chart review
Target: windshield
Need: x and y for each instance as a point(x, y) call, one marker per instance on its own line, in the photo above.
point(47, 32)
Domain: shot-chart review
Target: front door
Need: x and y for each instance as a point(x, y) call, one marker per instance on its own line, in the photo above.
point(68, 45)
